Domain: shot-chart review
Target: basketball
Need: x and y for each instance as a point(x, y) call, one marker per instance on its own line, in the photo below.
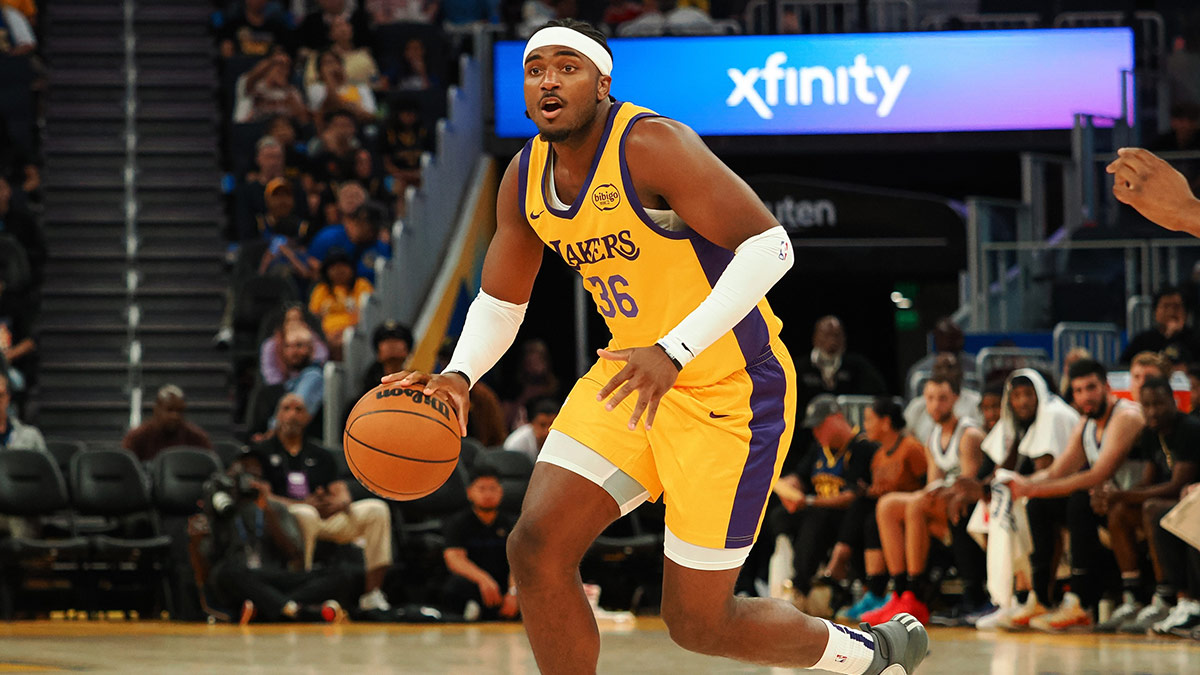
point(400, 443)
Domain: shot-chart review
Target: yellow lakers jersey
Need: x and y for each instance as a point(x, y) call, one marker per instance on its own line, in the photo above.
point(644, 277)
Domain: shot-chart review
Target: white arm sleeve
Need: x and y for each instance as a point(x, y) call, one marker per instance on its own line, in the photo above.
point(757, 264)
point(488, 332)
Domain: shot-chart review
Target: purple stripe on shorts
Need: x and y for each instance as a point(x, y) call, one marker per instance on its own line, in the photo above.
point(767, 424)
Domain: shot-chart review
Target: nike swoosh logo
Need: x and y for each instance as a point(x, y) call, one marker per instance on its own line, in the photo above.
point(715, 416)
point(535, 216)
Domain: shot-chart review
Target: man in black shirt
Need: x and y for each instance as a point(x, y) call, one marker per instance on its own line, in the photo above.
point(1170, 448)
point(1170, 335)
point(254, 31)
point(313, 32)
point(475, 552)
point(303, 475)
point(254, 550)
point(817, 493)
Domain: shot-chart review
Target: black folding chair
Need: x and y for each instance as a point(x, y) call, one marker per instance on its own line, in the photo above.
point(31, 486)
point(179, 474)
point(111, 484)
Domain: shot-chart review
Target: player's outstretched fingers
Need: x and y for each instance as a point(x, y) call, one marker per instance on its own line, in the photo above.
point(651, 409)
point(621, 395)
point(395, 377)
point(616, 381)
point(638, 409)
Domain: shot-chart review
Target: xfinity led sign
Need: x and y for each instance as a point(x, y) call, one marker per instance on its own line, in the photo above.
point(854, 84)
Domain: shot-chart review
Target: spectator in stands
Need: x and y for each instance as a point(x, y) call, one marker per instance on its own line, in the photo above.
point(373, 184)
point(1096, 453)
point(258, 28)
point(332, 152)
point(393, 343)
point(305, 377)
point(406, 139)
point(16, 34)
point(303, 475)
point(15, 434)
point(253, 197)
point(295, 157)
point(1180, 564)
point(261, 572)
point(359, 65)
point(529, 437)
point(1143, 367)
point(337, 298)
point(19, 223)
point(1193, 375)
point(285, 236)
point(413, 73)
point(535, 378)
point(476, 540)
point(402, 11)
point(18, 318)
point(897, 466)
point(359, 237)
point(266, 91)
point(945, 365)
point(990, 406)
point(831, 369)
point(167, 427)
point(1170, 335)
point(339, 204)
point(271, 362)
point(1185, 130)
point(314, 31)
point(907, 520)
point(333, 91)
point(1064, 382)
point(1170, 448)
point(817, 493)
point(1034, 429)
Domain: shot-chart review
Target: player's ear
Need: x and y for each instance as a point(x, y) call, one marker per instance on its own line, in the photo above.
point(602, 87)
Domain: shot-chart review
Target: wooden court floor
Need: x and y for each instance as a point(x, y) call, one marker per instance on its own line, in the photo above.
point(161, 647)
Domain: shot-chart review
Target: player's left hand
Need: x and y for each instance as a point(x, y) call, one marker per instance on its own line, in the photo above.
point(648, 371)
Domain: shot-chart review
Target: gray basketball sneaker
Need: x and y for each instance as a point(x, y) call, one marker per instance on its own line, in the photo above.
point(900, 646)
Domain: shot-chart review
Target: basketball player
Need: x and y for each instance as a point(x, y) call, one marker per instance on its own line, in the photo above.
point(678, 254)
point(907, 519)
point(1096, 453)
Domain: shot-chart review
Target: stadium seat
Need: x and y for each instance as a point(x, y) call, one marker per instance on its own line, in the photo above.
point(179, 474)
point(507, 463)
point(63, 451)
point(112, 484)
point(31, 486)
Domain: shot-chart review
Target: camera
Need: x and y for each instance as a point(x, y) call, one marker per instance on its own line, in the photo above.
point(222, 492)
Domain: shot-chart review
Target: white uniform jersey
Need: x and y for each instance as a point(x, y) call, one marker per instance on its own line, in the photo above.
point(946, 457)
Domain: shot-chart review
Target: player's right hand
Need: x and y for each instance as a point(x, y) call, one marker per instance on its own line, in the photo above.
point(1149, 184)
point(451, 387)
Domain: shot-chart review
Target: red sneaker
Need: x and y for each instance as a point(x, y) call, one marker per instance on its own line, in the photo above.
point(907, 603)
point(884, 613)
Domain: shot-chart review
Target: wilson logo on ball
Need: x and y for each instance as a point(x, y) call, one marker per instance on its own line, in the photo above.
point(417, 396)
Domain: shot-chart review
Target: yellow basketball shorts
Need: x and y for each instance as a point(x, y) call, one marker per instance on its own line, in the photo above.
point(714, 452)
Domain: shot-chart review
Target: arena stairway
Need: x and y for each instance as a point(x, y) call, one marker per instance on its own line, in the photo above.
point(134, 286)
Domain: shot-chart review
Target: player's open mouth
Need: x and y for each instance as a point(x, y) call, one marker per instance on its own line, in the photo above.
point(551, 108)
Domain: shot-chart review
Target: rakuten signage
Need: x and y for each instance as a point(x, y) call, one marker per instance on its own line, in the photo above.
point(856, 84)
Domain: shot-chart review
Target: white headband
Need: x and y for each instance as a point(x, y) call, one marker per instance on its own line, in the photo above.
point(569, 37)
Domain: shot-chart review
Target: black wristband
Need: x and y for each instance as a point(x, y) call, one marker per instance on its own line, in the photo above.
point(460, 374)
point(678, 365)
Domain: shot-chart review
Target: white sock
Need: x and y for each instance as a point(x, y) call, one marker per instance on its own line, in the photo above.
point(848, 651)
